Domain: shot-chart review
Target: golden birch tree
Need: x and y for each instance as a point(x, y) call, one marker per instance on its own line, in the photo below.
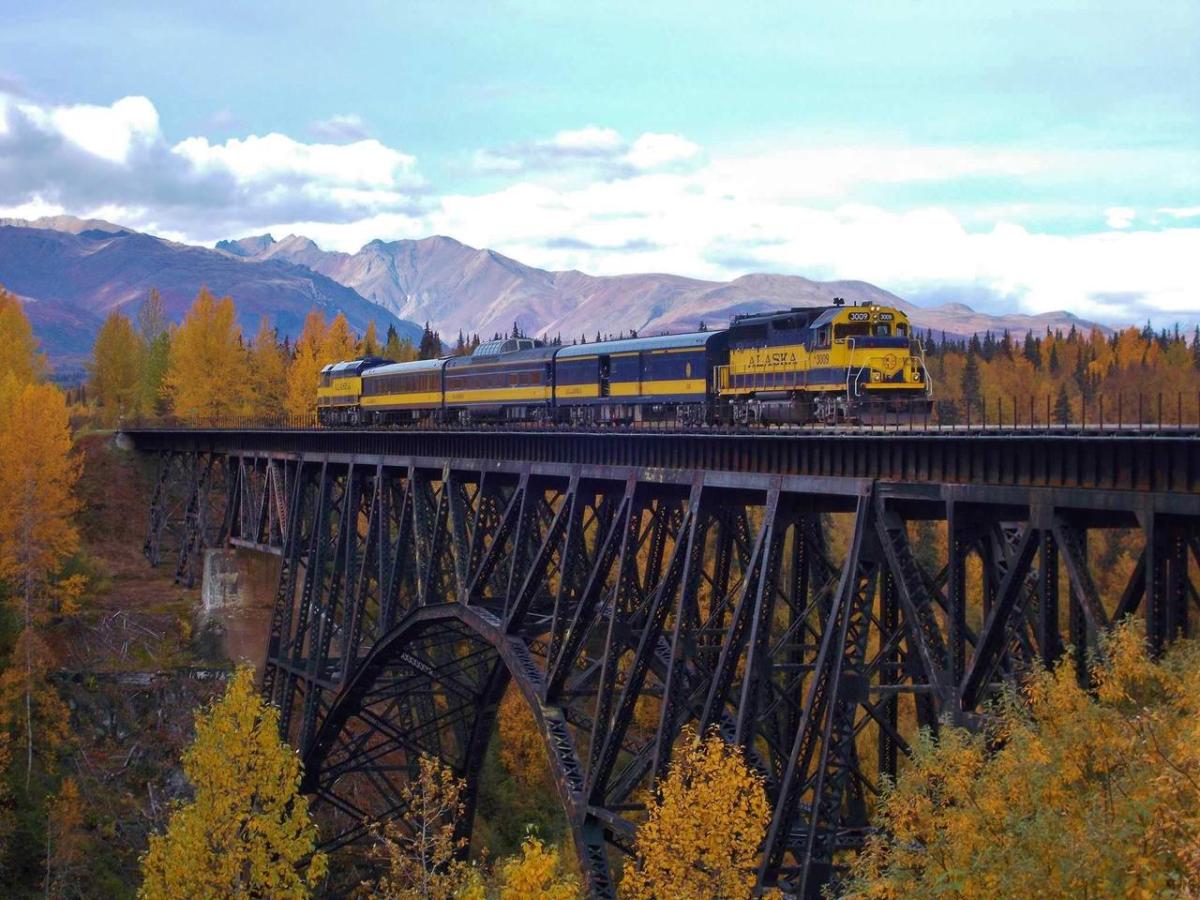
point(537, 872)
point(19, 355)
point(38, 474)
point(115, 373)
point(65, 840)
point(247, 831)
point(369, 346)
point(305, 370)
point(521, 749)
point(706, 824)
point(422, 853)
point(1068, 793)
point(207, 371)
point(339, 343)
point(268, 372)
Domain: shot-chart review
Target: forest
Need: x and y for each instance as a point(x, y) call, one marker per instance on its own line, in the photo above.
point(1074, 787)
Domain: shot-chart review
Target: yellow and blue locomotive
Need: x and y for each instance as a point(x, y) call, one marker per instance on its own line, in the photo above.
point(825, 364)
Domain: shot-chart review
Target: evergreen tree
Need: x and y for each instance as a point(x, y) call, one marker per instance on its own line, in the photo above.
point(155, 330)
point(391, 347)
point(1062, 406)
point(431, 344)
point(1032, 351)
point(971, 387)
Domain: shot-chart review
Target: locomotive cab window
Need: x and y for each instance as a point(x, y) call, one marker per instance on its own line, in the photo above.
point(882, 329)
point(851, 329)
point(901, 329)
point(823, 337)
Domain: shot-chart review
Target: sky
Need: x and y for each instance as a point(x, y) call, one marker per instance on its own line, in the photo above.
point(1016, 157)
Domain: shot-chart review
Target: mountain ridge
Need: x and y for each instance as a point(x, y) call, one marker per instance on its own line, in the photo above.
point(456, 287)
point(71, 272)
point(70, 280)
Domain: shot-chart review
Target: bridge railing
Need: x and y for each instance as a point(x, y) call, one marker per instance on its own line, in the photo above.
point(1120, 413)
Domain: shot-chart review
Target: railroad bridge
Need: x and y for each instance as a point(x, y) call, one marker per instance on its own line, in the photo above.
point(815, 596)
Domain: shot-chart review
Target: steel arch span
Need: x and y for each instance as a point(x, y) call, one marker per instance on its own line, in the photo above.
point(815, 621)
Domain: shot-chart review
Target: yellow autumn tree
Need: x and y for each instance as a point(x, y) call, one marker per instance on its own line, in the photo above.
point(522, 752)
point(537, 872)
point(32, 714)
point(369, 345)
point(65, 839)
point(115, 373)
point(38, 474)
point(247, 831)
point(339, 342)
point(304, 372)
point(423, 853)
point(208, 370)
point(18, 348)
point(1068, 793)
point(268, 372)
point(706, 824)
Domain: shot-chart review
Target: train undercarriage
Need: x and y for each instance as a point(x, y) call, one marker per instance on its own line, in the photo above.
point(772, 408)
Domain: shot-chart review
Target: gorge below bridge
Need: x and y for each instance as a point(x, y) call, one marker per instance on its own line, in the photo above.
point(785, 589)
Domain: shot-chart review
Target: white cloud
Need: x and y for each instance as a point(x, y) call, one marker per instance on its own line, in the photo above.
point(88, 157)
point(366, 163)
point(587, 140)
point(339, 128)
point(589, 152)
point(1181, 212)
point(109, 132)
point(651, 150)
point(1119, 217)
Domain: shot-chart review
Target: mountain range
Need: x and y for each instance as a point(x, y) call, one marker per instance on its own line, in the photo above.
point(456, 287)
point(71, 273)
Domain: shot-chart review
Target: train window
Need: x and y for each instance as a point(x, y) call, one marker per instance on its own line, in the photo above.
point(752, 333)
point(823, 336)
point(853, 329)
point(882, 329)
point(902, 329)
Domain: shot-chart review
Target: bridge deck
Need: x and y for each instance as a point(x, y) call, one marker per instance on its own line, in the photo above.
point(1122, 460)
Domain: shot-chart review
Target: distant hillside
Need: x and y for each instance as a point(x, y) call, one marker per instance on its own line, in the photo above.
point(71, 279)
point(453, 286)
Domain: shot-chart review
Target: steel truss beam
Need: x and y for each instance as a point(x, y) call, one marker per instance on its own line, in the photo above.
point(816, 622)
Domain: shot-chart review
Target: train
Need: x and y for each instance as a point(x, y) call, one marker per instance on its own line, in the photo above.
point(833, 365)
